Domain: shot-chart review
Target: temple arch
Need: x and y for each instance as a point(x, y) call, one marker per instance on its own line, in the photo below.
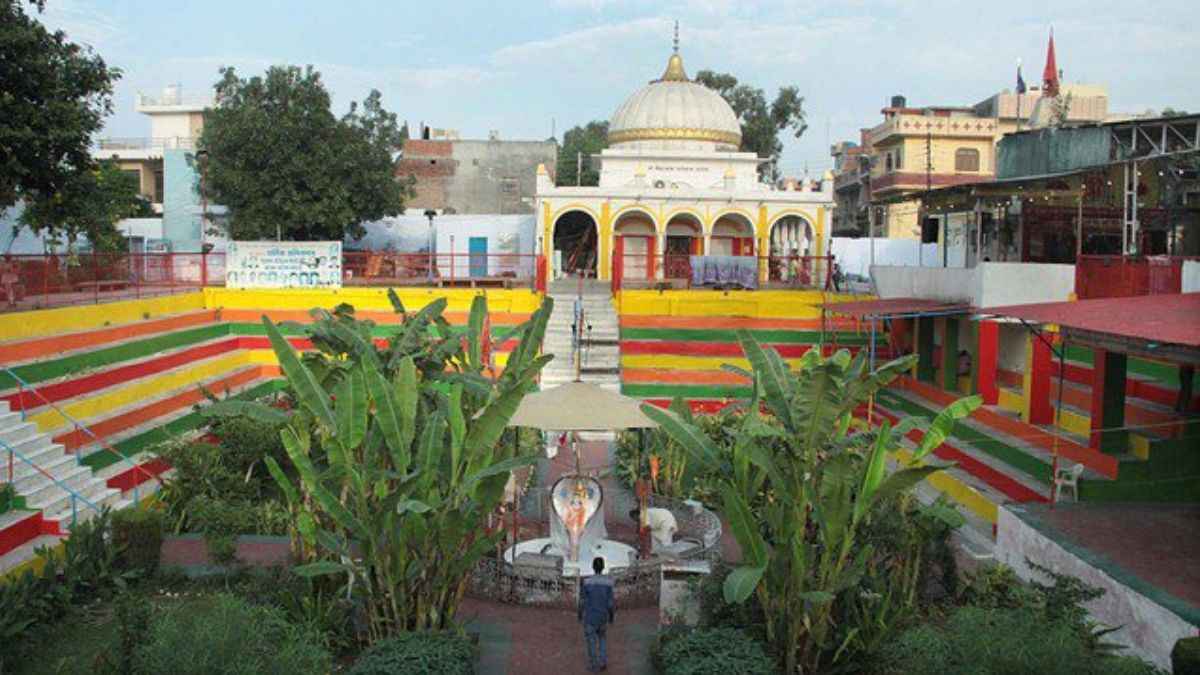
point(576, 239)
point(635, 238)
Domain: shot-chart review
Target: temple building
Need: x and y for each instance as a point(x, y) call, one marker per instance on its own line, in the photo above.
point(674, 184)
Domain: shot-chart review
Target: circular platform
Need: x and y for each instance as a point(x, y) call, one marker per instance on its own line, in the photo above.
point(616, 555)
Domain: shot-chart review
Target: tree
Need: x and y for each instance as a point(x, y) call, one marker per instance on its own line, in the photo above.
point(761, 122)
point(1173, 112)
point(89, 203)
point(588, 140)
point(802, 549)
point(399, 454)
point(287, 168)
point(54, 94)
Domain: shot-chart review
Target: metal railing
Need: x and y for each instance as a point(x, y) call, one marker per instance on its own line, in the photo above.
point(678, 269)
point(147, 143)
point(80, 428)
point(13, 455)
point(376, 268)
point(42, 281)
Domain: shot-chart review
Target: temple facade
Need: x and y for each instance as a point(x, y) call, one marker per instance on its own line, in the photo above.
point(674, 184)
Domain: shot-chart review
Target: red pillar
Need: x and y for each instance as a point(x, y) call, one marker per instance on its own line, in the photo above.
point(987, 359)
point(1038, 362)
point(1108, 402)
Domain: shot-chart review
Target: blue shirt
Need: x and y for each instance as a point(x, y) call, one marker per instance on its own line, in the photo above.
point(596, 605)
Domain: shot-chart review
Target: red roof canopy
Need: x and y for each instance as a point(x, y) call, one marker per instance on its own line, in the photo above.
point(1171, 319)
point(894, 307)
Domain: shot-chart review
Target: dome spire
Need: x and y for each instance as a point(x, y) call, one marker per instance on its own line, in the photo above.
point(675, 71)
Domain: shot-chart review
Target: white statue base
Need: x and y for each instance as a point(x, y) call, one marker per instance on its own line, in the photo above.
point(616, 555)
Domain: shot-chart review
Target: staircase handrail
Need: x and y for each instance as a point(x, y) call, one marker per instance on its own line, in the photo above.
point(22, 385)
point(75, 496)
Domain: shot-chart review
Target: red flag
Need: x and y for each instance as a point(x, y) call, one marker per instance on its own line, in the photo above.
point(1050, 73)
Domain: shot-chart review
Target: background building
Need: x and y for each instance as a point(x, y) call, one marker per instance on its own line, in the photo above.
point(474, 176)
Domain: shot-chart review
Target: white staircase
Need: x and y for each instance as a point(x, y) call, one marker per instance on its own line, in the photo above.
point(50, 494)
point(600, 351)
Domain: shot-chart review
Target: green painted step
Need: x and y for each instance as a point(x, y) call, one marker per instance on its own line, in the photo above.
point(1010, 455)
point(78, 364)
point(685, 390)
point(773, 336)
point(176, 427)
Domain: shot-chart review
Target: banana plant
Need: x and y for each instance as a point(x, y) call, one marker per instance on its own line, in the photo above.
point(395, 464)
point(795, 491)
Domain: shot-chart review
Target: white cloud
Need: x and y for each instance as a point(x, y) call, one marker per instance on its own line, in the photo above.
point(84, 25)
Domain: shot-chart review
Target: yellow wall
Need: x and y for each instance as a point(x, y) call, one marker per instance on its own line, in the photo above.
point(518, 301)
point(764, 304)
point(39, 322)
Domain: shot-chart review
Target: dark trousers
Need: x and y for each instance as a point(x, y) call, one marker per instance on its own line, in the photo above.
point(597, 649)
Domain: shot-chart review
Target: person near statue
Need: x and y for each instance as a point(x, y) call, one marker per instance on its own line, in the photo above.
point(597, 610)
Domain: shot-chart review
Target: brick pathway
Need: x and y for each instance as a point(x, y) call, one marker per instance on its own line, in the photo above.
point(536, 641)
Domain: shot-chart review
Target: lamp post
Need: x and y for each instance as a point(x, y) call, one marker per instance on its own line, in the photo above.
point(430, 214)
point(202, 162)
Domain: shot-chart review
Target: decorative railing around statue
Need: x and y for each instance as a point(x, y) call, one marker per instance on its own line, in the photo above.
point(543, 584)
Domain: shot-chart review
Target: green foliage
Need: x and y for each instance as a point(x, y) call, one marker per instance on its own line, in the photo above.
point(9, 499)
point(89, 202)
point(398, 458)
point(223, 634)
point(86, 570)
point(1185, 656)
point(717, 613)
point(440, 653)
point(712, 651)
point(138, 533)
point(285, 166)
point(133, 612)
point(586, 140)
point(999, 641)
point(804, 552)
point(56, 95)
point(761, 122)
point(224, 490)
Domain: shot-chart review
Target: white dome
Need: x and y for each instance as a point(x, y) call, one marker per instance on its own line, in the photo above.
point(674, 112)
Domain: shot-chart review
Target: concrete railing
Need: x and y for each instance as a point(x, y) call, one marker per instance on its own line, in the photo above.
point(990, 284)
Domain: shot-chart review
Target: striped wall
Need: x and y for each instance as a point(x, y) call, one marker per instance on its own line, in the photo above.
point(132, 371)
point(674, 343)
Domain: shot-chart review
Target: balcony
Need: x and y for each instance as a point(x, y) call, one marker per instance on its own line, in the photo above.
point(145, 143)
point(175, 101)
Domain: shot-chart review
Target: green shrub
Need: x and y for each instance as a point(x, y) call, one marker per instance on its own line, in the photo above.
point(999, 641)
point(1185, 657)
point(224, 635)
point(133, 613)
point(712, 651)
point(418, 654)
point(138, 533)
point(717, 613)
point(9, 499)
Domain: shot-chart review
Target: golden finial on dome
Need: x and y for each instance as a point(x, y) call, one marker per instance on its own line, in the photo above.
point(675, 71)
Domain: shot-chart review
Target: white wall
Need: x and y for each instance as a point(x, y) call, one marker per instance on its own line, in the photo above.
point(989, 284)
point(1003, 283)
point(1191, 276)
point(854, 254)
point(1010, 348)
point(949, 284)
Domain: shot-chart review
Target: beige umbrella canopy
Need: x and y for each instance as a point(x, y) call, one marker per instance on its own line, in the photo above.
point(580, 406)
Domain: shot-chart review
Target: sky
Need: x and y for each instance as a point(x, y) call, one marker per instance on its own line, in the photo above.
point(525, 68)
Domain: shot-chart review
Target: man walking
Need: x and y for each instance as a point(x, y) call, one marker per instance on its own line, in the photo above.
point(596, 611)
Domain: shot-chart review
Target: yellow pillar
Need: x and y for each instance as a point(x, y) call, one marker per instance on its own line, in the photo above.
point(604, 245)
point(820, 233)
point(761, 248)
point(547, 231)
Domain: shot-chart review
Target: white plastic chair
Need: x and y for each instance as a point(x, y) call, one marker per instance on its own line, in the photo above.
point(1067, 478)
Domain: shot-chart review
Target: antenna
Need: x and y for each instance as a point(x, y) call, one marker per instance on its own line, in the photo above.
point(676, 42)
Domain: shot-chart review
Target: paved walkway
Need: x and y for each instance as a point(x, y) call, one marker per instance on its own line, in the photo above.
point(541, 641)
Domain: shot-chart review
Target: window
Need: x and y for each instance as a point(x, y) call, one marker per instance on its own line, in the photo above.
point(966, 159)
point(888, 163)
